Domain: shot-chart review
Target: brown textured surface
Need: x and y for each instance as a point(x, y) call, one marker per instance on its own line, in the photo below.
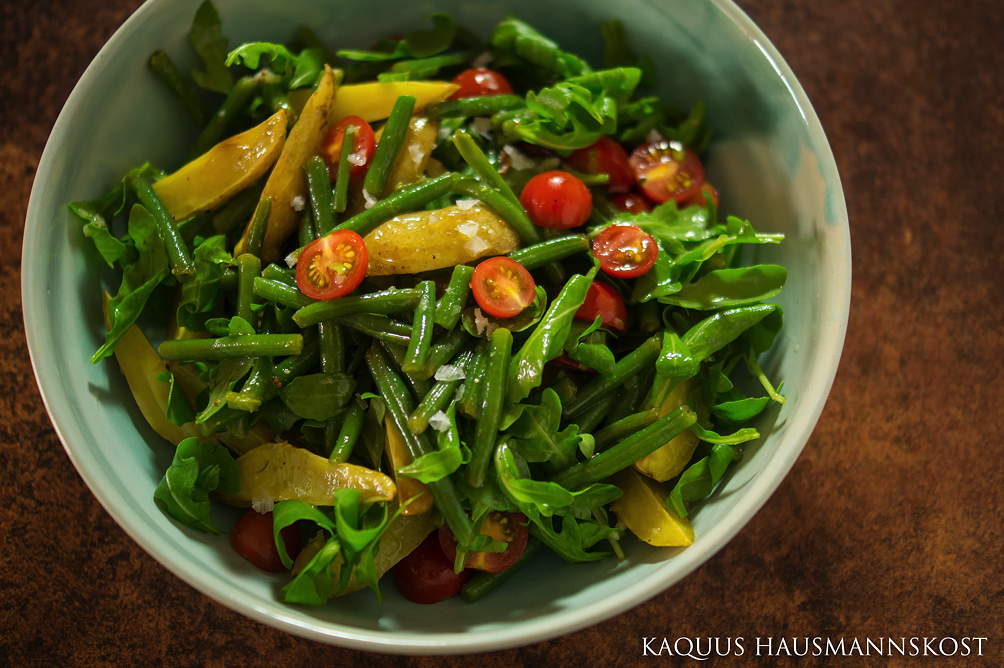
point(890, 522)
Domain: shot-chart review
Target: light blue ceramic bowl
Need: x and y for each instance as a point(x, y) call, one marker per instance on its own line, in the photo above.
point(770, 159)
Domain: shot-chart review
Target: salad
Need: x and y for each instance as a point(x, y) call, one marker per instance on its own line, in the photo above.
point(432, 307)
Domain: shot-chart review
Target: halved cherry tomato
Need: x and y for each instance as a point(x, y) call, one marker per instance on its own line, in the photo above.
point(365, 144)
point(502, 287)
point(252, 538)
point(667, 170)
point(480, 82)
point(625, 251)
point(557, 199)
point(605, 157)
point(701, 198)
point(602, 300)
point(631, 202)
point(506, 527)
point(426, 574)
point(333, 265)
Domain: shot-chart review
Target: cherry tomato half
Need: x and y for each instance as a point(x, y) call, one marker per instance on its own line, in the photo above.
point(602, 300)
point(631, 202)
point(502, 287)
point(625, 251)
point(480, 82)
point(605, 157)
point(707, 190)
point(667, 170)
point(333, 265)
point(365, 144)
point(252, 538)
point(426, 575)
point(506, 527)
point(557, 199)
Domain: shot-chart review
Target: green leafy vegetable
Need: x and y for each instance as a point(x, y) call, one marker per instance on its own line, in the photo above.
point(178, 411)
point(198, 469)
point(730, 287)
point(299, 70)
point(200, 294)
point(537, 435)
point(450, 456)
point(744, 435)
point(700, 478)
point(740, 410)
point(318, 396)
point(417, 44)
point(516, 37)
point(206, 38)
point(675, 359)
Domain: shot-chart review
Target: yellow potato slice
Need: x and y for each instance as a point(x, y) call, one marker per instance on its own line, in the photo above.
point(374, 101)
point(643, 512)
point(425, 240)
point(671, 458)
point(414, 156)
point(224, 170)
point(407, 488)
point(287, 184)
point(279, 472)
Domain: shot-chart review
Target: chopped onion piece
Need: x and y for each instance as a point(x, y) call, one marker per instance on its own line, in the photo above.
point(449, 372)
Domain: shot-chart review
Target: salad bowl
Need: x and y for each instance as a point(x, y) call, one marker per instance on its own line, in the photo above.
point(768, 157)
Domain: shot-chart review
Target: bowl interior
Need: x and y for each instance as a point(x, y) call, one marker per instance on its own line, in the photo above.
point(769, 158)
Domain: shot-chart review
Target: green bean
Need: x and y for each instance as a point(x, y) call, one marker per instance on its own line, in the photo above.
point(485, 105)
point(237, 100)
point(227, 347)
point(552, 250)
point(629, 396)
point(344, 172)
point(590, 179)
point(237, 211)
point(319, 188)
point(307, 230)
point(437, 398)
point(255, 388)
point(274, 272)
point(228, 282)
point(625, 426)
point(297, 365)
point(281, 293)
point(420, 386)
point(593, 416)
point(515, 214)
point(403, 200)
point(348, 434)
point(451, 304)
point(483, 583)
point(283, 321)
point(421, 329)
point(378, 327)
point(394, 133)
point(626, 452)
point(470, 404)
point(259, 223)
point(443, 350)
point(332, 342)
point(384, 302)
point(177, 250)
point(165, 69)
point(248, 267)
point(634, 362)
point(399, 405)
point(487, 427)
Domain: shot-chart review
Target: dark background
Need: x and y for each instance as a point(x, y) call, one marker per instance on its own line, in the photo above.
point(888, 525)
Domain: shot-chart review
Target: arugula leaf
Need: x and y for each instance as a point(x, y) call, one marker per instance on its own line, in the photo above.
point(720, 329)
point(198, 468)
point(548, 338)
point(223, 378)
point(536, 435)
point(299, 70)
point(514, 36)
point(436, 465)
point(201, 292)
point(139, 279)
point(418, 44)
point(206, 38)
point(670, 224)
point(111, 248)
point(287, 513)
point(675, 359)
point(700, 478)
point(572, 540)
point(658, 282)
point(573, 113)
point(740, 410)
point(744, 435)
point(730, 287)
point(316, 583)
point(422, 68)
point(359, 534)
point(178, 411)
point(584, 348)
point(318, 396)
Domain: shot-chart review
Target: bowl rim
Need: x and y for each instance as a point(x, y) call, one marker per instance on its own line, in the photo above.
point(277, 615)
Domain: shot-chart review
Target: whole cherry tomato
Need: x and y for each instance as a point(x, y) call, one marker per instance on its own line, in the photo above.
point(252, 538)
point(602, 300)
point(557, 199)
point(605, 156)
point(426, 575)
point(480, 82)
